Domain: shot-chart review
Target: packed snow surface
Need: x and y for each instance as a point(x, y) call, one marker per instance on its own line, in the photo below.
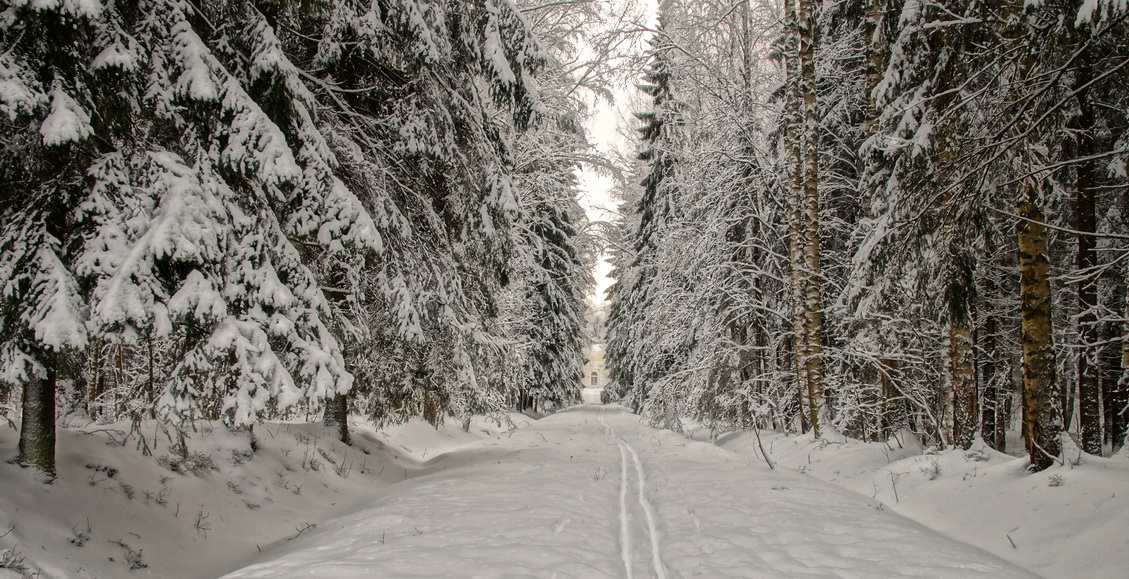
point(590, 492)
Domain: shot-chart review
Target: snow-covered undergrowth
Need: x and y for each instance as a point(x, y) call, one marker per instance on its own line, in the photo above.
point(114, 512)
point(1071, 520)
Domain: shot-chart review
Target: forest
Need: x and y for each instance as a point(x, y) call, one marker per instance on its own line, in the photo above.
point(248, 210)
point(855, 216)
point(878, 215)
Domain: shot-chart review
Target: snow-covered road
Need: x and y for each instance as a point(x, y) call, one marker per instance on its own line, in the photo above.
point(590, 492)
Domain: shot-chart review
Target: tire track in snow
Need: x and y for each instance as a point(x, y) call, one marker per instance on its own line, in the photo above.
point(626, 449)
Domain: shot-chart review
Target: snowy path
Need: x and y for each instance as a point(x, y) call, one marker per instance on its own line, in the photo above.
point(644, 504)
point(590, 492)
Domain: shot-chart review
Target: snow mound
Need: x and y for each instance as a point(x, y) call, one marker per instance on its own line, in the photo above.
point(115, 512)
point(1068, 521)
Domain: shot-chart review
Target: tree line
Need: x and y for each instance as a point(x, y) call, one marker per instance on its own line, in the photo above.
point(866, 216)
point(244, 210)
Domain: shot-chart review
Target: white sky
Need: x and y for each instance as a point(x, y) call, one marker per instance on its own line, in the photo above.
point(607, 125)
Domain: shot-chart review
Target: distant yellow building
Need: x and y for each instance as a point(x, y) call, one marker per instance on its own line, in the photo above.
point(594, 367)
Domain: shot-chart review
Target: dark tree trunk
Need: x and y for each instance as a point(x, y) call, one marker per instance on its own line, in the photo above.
point(337, 416)
point(991, 414)
point(37, 430)
point(1119, 398)
point(1089, 393)
point(1113, 398)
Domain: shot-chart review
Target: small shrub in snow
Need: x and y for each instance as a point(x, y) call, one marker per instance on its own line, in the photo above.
point(234, 488)
point(933, 471)
point(1055, 481)
point(128, 490)
point(12, 560)
point(132, 558)
point(202, 524)
point(80, 537)
point(240, 457)
point(109, 471)
point(161, 497)
point(328, 457)
point(976, 454)
point(306, 527)
point(250, 505)
point(194, 462)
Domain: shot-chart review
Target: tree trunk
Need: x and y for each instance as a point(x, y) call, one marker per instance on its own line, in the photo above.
point(963, 375)
point(337, 416)
point(1089, 392)
point(1113, 401)
point(890, 419)
point(812, 292)
point(991, 415)
point(37, 430)
point(1041, 412)
point(794, 141)
point(1119, 406)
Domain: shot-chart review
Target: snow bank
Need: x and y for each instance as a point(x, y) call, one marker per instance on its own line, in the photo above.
point(1069, 521)
point(113, 508)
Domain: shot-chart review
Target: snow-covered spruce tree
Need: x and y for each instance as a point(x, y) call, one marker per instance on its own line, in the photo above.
point(45, 130)
point(950, 230)
point(411, 96)
point(1089, 135)
point(637, 358)
point(183, 202)
point(547, 317)
point(550, 276)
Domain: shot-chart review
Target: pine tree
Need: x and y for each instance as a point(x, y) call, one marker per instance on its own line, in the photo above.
point(635, 357)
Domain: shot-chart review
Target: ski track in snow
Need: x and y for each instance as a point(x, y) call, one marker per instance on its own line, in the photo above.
point(626, 449)
point(536, 503)
point(648, 511)
point(624, 524)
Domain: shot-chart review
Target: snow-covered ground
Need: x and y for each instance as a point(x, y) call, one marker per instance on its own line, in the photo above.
point(587, 492)
point(590, 492)
point(1069, 521)
point(112, 508)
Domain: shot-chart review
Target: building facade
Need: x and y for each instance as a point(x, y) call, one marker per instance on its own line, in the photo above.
point(594, 367)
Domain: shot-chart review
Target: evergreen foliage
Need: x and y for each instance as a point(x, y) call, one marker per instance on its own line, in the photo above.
point(243, 209)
